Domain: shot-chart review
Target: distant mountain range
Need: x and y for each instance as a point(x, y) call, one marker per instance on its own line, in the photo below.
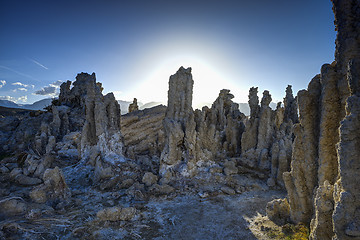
point(124, 105)
point(39, 105)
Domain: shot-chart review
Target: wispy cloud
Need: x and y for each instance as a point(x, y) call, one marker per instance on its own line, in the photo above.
point(56, 83)
point(2, 83)
point(19, 89)
point(20, 84)
point(51, 89)
point(37, 63)
point(8, 98)
point(22, 99)
point(19, 73)
point(13, 99)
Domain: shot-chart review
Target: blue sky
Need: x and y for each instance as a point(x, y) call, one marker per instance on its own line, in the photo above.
point(134, 46)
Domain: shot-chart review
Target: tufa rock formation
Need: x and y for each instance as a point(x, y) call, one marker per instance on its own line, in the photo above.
point(76, 160)
point(82, 123)
point(133, 106)
point(81, 119)
point(322, 184)
point(290, 106)
point(249, 138)
point(76, 148)
point(302, 179)
point(267, 140)
point(198, 139)
point(346, 221)
point(179, 124)
point(195, 140)
point(259, 132)
point(346, 215)
point(219, 129)
point(281, 149)
point(101, 129)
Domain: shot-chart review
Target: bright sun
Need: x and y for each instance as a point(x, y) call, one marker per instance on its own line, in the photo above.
point(207, 82)
point(167, 53)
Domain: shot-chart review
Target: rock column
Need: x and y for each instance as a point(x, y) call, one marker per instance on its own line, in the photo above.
point(179, 125)
point(101, 129)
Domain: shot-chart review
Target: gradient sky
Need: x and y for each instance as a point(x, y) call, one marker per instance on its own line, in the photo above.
point(134, 46)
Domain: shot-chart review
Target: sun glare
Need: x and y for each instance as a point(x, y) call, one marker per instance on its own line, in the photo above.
point(167, 52)
point(207, 82)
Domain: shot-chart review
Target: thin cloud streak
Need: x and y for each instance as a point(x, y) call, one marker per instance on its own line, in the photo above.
point(19, 89)
point(37, 63)
point(19, 73)
point(20, 84)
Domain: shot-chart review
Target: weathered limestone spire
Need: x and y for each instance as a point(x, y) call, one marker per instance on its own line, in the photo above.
point(102, 117)
point(179, 124)
point(180, 95)
point(290, 106)
point(133, 106)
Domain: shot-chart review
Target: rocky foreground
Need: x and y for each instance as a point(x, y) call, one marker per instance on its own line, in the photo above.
point(125, 207)
point(80, 170)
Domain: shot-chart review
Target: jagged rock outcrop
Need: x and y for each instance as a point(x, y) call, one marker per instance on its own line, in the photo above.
point(219, 129)
point(281, 149)
point(322, 184)
point(81, 123)
point(346, 216)
point(179, 125)
point(347, 43)
point(259, 132)
point(302, 179)
point(314, 152)
point(102, 120)
point(249, 137)
point(133, 106)
point(267, 140)
point(194, 140)
point(321, 224)
point(186, 140)
point(290, 106)
point(266, 120)
point(329, 124)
